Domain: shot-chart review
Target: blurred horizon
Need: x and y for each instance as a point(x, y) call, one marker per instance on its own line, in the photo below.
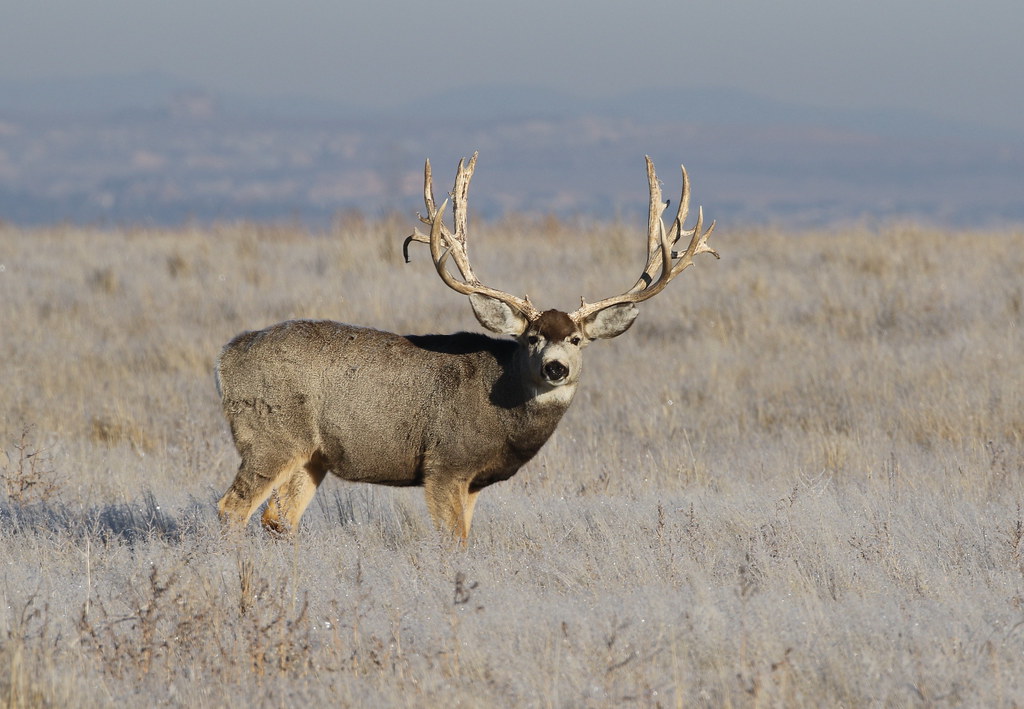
point(794, 113)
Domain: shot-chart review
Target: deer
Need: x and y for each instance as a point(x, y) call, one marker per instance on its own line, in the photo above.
point(452, 413)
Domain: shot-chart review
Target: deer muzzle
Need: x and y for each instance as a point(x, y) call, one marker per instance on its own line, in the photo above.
point(554, 372)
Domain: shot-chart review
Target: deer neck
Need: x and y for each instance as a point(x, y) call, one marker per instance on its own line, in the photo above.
point(537, 416)
point(541, 397)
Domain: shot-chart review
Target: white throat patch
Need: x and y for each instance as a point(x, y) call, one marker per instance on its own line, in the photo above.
point(546, 395)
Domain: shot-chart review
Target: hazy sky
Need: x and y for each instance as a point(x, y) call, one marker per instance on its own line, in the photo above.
point(959, 60)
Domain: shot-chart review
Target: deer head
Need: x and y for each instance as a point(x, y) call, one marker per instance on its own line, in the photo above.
point(551, 341)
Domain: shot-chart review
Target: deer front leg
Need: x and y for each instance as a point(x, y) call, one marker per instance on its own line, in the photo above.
point(450, 504)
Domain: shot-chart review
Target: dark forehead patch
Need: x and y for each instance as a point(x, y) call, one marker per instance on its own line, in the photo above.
point(554, 325)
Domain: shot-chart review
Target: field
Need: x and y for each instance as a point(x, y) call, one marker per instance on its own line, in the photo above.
point(797, 480)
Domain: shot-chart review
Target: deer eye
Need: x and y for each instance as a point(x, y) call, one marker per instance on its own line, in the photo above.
point(575, 340)
point(533, 339)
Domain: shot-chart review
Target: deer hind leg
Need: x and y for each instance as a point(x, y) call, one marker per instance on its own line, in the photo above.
point(450, 504)
point(257, 476)
point(467, 513)
point(285, 508)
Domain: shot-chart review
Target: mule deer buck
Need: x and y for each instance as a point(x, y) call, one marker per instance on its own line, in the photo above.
point(453, 413)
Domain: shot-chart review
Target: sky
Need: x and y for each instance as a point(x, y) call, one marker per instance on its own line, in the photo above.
point(952, 59)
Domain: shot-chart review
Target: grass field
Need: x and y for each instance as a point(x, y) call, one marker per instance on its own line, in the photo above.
point(797, 480)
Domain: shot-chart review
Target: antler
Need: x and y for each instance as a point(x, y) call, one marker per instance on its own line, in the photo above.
point(443, 243)
point(660, 253)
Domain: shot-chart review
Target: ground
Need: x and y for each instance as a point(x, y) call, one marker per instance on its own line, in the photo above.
point(796, 481)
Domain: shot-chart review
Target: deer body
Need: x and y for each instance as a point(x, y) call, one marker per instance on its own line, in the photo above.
point(452, 413)
point(372, 406)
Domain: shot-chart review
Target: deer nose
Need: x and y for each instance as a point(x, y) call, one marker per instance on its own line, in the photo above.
point(555, 371)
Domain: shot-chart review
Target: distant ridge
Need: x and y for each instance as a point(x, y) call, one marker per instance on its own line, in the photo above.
point(151, 91)
point(149, 148)
point(720, 106)
point(97, 95)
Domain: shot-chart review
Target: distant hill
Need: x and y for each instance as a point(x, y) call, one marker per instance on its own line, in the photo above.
point(718, 106)
point(152, 149)
point(101, 95)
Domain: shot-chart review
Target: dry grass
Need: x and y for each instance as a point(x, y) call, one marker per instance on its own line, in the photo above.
point(797, 481)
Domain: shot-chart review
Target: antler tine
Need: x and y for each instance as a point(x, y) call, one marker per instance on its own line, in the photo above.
point(654, 211)
point(460, 198)
point(656, 225)
point(428, 201)
point(684, 207)
point(670, 269)
point(428, 190)
point(660, 249)
point(456, 242)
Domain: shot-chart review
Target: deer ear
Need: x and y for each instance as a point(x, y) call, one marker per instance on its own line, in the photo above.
point(610, 322)
point(496, 316)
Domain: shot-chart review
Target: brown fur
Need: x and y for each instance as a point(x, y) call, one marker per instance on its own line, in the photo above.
point(448, 412)
point(554, 325)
